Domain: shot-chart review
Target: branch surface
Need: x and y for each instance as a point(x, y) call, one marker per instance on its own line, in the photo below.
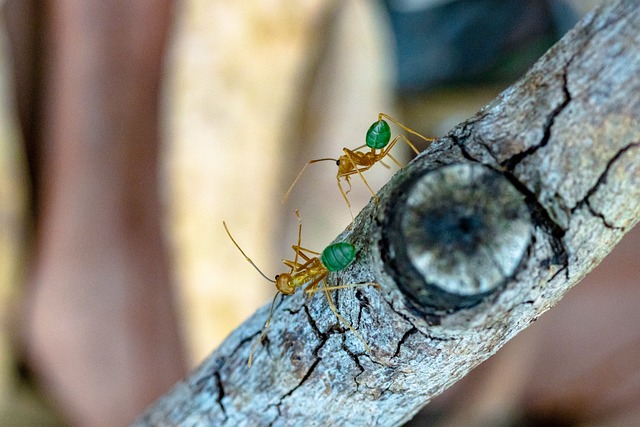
point(471, 242)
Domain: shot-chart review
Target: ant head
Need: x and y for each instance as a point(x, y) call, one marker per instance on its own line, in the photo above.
point(344, 165)
point(283, 284)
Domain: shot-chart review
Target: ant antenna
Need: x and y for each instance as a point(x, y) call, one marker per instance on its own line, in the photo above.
point(245, 255)
point(286, 195)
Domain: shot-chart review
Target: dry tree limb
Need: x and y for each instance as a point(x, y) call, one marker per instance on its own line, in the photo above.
point(471, 242)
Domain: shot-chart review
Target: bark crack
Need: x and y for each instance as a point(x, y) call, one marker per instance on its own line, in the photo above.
point(244, 341)
point(557, 273)
point(404, 338)
point(355, 359)
point(413, 326)
point(322, 336)
point(600, 215)
point(290, 392)
point(364, 304)
point(221, 393)
point(540, 218)
point(602, 180)
point(302, 381)
point(511, 163)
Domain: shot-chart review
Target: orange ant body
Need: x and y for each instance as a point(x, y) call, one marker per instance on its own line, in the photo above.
point(310, 272)
point(355, 161)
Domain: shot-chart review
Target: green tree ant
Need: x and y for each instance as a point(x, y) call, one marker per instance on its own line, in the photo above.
point(307, 269)
point(355, 161)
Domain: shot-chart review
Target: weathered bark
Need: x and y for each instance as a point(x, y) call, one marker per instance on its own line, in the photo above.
point(471, 242)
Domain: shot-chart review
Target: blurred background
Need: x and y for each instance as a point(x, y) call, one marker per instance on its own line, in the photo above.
point(250, 92)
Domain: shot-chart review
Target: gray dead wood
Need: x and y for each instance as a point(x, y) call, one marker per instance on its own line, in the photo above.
point(471, 242)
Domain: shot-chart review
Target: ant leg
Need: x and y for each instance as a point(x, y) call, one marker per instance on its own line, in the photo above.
point(333, 288)
point(295, 181)
point(339, 316)
point(394, 160)
point(313, 287)
point(301, 249)
point(411, 131)
point(388, 148)
point(386, 151)
point(409, 144)
point(296, 266)
point(348, 181)
point(293, 266)
point(386, 165)
point(359, 172)
point(297, 248)
point(344, 195)
point(264, 330)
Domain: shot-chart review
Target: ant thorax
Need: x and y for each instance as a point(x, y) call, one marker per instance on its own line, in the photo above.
point(313, 271)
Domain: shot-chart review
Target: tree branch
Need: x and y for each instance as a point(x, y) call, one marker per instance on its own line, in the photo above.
point(471, 242)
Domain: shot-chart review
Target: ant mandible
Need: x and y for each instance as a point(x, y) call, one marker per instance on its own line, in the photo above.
point(355, 161)
point(310, 272)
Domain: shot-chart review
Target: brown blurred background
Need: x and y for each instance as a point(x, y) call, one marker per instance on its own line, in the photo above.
point(251, 91)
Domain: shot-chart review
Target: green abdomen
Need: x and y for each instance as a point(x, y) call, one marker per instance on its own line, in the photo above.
point(378, 135)
point(338, 256)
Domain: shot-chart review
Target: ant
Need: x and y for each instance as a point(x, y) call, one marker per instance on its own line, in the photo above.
point(355, 161)
point(307, 269)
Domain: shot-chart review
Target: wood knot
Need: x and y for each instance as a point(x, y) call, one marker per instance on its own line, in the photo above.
point(456, 235)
